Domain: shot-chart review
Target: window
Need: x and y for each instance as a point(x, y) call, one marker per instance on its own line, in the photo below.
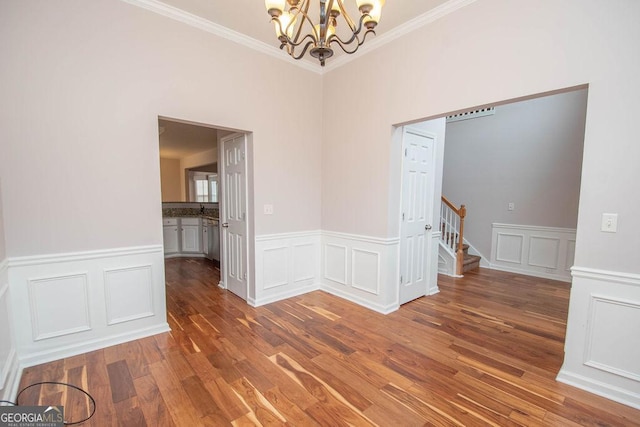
point(202, 190)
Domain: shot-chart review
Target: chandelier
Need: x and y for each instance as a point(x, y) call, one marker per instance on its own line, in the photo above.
point(298, 33)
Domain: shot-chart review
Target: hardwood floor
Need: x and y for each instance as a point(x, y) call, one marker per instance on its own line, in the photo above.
point(484, 351)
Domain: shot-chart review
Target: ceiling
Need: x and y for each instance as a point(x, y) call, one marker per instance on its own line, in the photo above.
point(250, 17)
point(178, 140)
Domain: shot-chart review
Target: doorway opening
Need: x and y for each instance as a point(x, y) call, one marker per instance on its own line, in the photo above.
point(518, 166)
point(200, 199)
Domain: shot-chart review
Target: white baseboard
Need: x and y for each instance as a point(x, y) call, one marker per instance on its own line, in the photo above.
point(361, 301)
point(525, 272)
point(274, 297)
point(600, 388)
point(91, 345)
point(184, 255)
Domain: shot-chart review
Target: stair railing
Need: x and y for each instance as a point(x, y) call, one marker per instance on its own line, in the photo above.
point(452, 230)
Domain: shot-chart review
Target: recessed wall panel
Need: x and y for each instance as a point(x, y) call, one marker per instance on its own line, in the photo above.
point(335, 266)
point(509, 248)
point(612, 342)
point(59, 305)
point(276, 267)
point(543, 251)
point(128, 293)
point(366, 270)
point(304, 262)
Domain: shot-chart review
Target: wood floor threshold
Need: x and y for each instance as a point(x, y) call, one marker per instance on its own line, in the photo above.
point(485, 351)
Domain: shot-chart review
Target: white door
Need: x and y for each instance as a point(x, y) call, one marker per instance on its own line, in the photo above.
point(234, 214)
point(416, 213)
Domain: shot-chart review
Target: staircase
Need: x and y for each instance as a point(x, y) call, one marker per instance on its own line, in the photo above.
point(469, 262)
point(454, 258)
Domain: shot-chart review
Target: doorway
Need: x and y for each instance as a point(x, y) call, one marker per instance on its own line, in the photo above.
point(205, 182)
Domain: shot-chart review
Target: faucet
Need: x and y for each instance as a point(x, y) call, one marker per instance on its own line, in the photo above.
point(201, 209)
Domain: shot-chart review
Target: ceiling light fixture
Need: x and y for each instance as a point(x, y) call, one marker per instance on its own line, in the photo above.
point(291, 24)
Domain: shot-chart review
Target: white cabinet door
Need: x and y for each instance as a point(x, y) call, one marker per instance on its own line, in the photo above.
point(191, 238)
point(205, 239)
point(170, 237)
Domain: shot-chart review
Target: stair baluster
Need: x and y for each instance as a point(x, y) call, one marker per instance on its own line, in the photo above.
point(452, 230)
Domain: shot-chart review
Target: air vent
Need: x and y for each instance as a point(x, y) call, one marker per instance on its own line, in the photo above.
point(474, 114)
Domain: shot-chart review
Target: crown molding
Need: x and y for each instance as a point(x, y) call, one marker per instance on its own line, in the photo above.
point(218, 30)
point(237, 37)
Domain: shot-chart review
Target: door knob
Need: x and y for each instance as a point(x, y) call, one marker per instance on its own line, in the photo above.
point(225, 224)
point(427, 227)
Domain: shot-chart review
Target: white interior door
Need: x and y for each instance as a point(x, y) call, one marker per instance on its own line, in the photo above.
point(234, 214)
point(416, 213)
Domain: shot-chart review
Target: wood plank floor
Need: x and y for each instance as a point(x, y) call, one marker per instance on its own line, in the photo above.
point(484, 351)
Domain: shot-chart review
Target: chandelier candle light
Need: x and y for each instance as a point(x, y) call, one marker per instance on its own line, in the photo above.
point(320, 37)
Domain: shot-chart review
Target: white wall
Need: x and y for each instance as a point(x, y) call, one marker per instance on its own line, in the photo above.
point(528, 153)
point(80, 105)
point(83, 88)
point(487, 52)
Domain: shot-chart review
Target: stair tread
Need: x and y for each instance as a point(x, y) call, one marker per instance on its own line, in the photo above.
point(470, 259)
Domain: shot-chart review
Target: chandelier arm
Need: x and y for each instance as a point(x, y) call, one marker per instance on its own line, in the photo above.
point(294, 43)
point(354, 33)
point(343, 45)
point(304, 11)
point(304, 50)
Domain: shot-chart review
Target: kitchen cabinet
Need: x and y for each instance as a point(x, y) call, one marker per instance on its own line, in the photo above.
point(170, 235)
point(191, 235)
point(182, 236)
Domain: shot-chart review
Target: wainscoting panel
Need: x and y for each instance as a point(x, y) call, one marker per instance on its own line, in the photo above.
point(276, 267)
point(287, 264)
point(365, 274)
point(50, 296)
point(536, 251)
point(602, 350)
point(68, 304)
point(509, 248)
point(362, 269)
point(128, 293)
point(305, 257)
point(335, 263)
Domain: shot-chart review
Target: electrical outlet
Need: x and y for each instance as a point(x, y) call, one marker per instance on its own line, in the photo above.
point(511, 206)
point(268, 209)
point(609, 222)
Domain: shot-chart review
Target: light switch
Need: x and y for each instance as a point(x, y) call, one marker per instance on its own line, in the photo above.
point(609, 222)
point(268, 209)
point(511, 206)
